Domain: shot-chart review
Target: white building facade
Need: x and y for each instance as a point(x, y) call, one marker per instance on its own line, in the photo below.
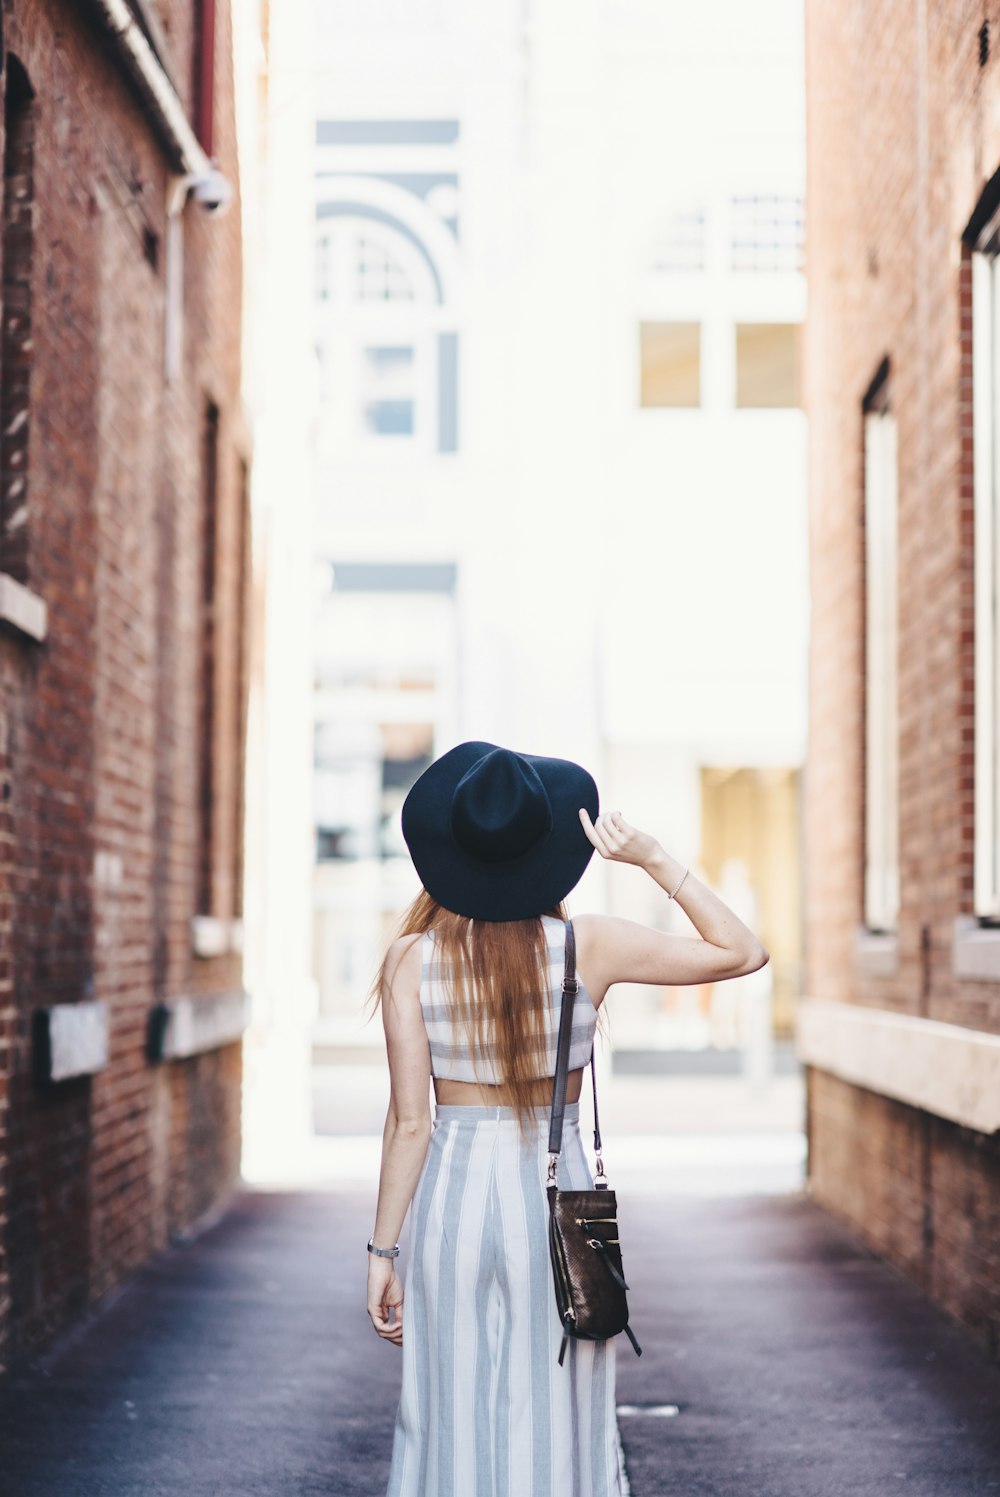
point(561, 490)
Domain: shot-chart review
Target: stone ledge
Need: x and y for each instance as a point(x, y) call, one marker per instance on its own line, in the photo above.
point(944, 1069)
point(21, 610)
point(188, 1026)
point(69, 1039)
point(975, 950)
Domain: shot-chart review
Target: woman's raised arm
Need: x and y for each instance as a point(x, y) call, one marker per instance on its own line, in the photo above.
point(614, 950)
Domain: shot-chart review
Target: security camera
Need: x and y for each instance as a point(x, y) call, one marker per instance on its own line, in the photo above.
point(214, 192)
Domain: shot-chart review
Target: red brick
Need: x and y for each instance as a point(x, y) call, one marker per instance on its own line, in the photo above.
point(100, 725)
point(922, 1191)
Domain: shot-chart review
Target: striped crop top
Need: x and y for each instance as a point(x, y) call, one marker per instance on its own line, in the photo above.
point(451, 1058)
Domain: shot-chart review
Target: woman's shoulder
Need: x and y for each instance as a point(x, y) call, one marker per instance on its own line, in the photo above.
point(585, 927)
point(404, 954)
point(402, 944)
point(591, 925)
point(600, 936)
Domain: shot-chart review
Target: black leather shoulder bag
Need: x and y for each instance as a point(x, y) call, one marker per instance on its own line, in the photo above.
point(583, 1224)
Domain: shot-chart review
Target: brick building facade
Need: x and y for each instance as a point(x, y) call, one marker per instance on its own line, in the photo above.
point(123, 581)
point(901, 1028)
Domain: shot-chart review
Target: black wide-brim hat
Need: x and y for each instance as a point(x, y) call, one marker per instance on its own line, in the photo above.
point(496, 835)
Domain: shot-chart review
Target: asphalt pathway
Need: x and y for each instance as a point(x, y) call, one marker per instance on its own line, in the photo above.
point(242, 1362)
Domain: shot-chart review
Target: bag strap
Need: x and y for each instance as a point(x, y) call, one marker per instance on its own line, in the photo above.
point(570, 988)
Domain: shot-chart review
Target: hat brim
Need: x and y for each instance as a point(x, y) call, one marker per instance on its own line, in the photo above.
point(522, 887)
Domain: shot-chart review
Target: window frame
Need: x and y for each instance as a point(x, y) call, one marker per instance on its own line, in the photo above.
point(881, 669)
point(985, 293)
point(349, 325)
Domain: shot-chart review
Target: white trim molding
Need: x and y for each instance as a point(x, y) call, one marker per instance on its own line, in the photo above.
point(986, 553)
point(945, 1069)
point(21, 609)
point(881, 877)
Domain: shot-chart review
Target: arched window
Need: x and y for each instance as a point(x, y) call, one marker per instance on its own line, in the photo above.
point(379, 304)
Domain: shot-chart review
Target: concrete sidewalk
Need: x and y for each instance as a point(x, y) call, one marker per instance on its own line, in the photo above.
point(243, 1363)
point(801, 1365)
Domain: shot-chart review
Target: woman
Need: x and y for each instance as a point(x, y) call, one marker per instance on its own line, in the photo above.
point(470, 994)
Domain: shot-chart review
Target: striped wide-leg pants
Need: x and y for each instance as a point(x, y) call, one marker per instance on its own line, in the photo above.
point(485, 1409)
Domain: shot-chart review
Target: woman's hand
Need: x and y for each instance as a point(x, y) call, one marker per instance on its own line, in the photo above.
point(619, 842)
point(385, 1292)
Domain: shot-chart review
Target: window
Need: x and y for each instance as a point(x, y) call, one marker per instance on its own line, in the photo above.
point(389, 418)
point(679, 245)
point(18, 256)
point(407, 750)
point(244, 563)
point(670, 358)
point(391, 359)
point(357, 267)
point(363, 774)
point(386, 681)
point(347, 783)
point(767, 233)
point(767, 364)
point(985, 397)
point(325, 266)
point(881, 873)
point(379, 344)
point(206, 882)
point(380, 276)
point(388, 385)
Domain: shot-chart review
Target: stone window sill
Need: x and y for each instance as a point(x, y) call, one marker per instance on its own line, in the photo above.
point(189, 1026)
point(976, 950)
point(876, 953)
point(213, 936)
point(22, 611)
point(69, 1040)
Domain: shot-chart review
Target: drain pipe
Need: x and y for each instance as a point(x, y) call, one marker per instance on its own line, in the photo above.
point(214, 192)
point(198, 172)
point(156, 88)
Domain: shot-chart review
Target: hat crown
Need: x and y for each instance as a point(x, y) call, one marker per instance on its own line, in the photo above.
point(500, 808)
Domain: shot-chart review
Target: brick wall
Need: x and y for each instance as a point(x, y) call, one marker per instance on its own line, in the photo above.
point(903, 133)
point(922, 1191)
point(101, 724)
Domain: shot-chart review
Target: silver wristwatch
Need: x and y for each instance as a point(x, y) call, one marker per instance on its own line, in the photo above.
point(392, 1252)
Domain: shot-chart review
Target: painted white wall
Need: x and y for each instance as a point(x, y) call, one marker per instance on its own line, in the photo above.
point(280, 395)
point(632, 583)
point(680, 534)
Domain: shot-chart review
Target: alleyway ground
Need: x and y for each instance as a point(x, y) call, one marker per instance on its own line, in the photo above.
point(242, 1362)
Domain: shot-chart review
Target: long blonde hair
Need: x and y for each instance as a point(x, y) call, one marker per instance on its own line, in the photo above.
point(501, 964)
